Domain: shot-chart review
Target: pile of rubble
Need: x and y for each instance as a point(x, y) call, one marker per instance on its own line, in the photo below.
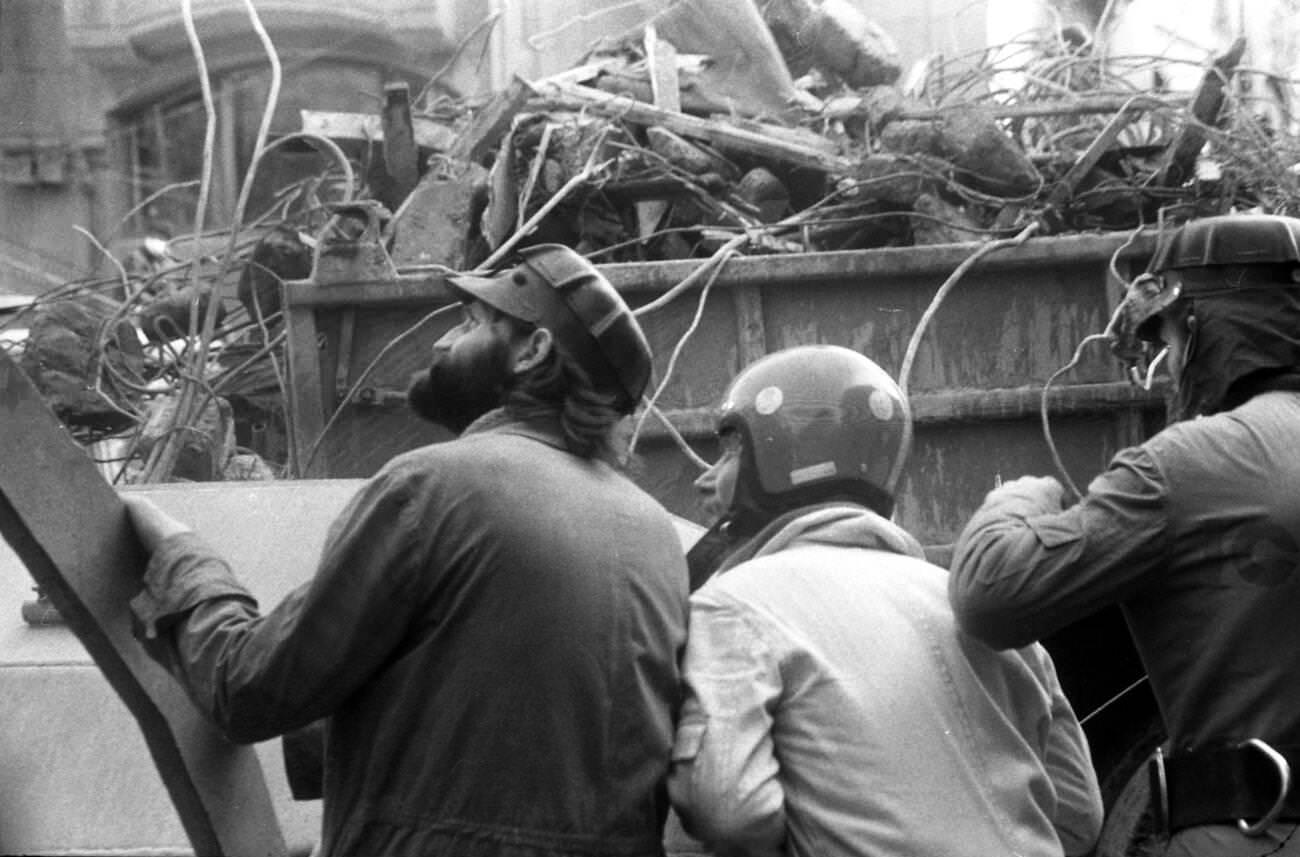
point(795, 127)
point(109, 355)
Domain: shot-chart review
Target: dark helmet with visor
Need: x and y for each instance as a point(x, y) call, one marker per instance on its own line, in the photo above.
point(818, 422)
point(1239, 276)
point(555, 288)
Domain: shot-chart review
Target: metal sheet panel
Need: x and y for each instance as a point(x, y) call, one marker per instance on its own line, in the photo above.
point(1012, 321)
point(68, 526)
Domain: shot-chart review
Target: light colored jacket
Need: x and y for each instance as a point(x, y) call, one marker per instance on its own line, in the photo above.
point(834, 708)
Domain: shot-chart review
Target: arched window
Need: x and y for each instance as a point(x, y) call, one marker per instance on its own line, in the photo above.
point(165, 140)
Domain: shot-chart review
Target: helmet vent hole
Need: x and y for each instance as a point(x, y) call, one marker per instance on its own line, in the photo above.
point(519, 279)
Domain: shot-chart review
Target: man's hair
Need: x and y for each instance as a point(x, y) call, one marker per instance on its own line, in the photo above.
point(589, 419)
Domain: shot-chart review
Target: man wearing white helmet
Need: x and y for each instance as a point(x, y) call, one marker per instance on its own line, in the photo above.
point(833, 707)
point(494, 628)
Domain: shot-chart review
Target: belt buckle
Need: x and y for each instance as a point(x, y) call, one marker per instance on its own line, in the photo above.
point(1284, 787)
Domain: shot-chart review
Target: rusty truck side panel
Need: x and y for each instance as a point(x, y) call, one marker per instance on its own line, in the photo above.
point(1012, 321)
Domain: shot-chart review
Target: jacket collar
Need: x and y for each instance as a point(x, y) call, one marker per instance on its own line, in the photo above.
point(541, 425)
point(839, 524)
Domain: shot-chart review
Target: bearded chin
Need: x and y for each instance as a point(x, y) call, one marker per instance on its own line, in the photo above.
point(454, 394)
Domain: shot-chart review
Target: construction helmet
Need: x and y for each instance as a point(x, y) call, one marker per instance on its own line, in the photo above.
point(817, 422)
point(555, 288)
point(1238, 274)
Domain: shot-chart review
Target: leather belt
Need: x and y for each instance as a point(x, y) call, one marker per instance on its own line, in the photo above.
point(1250, 784)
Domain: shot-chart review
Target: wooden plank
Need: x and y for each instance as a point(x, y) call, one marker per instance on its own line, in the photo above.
point(367, 128)
point(661, 57)
point(489, 124)
point(306, 403)
point(1100, 145)
point(762, 141)
point(1180, 158)
point(695, 99)
point(69, 527)
point(861, 107)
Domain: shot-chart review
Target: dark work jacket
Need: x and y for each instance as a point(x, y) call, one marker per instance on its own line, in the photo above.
point(493, 636)
point(1196, 534)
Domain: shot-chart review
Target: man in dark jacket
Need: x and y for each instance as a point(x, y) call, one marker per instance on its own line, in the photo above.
point(1195, 533)
point(493, 630)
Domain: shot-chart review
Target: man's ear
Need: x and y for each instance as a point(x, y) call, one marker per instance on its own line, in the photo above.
point(531, 350)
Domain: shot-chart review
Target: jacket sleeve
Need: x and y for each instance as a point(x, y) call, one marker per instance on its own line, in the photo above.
point(723, 780)
point(1068, 760)
point(259, 676)
point(1023, 567)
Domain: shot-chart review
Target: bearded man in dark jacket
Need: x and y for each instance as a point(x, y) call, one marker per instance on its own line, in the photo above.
point(493, 631)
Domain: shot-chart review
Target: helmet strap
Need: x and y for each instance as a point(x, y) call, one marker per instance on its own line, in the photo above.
point(1184, 407)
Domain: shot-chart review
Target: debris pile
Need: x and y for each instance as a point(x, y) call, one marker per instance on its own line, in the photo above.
point(717, 124)
point(110, 355)
point(674, 139)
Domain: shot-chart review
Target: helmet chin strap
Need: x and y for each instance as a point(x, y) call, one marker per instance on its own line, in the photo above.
point(1182, 390)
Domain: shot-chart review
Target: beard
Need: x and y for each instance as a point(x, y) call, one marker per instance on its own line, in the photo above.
point(455, 392)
